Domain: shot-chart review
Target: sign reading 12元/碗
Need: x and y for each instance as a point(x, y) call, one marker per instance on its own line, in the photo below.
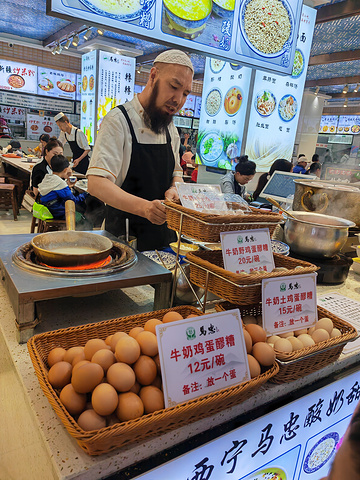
point(261, 33)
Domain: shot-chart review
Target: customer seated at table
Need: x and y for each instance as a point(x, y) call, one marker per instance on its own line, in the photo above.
point(314, 169)
point(234, 182)
point(187, 157)
point(14, 147)
point(39, 150)
point(53, 147)
point(315, 158)
point(54, 190)
point(301, 165)
point(280, 165)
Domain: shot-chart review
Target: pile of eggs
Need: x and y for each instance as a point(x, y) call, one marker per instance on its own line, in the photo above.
point(111, 380)
point(259, 352)
point(308, 337)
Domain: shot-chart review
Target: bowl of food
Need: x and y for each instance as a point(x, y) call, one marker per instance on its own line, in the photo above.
point(216, 65)
point(299, 64)
point(267, 26)
point(184, 247)
point(187, 17)
point(15, 81)
point(124, 11)
point(213, 102)
point(223, 8)
point(265, 103)
point(211, 147)
point(287, 108)
point(233, 100)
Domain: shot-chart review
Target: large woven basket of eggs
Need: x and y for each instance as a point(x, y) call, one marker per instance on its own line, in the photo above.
point(299, 352)
point(104, 381)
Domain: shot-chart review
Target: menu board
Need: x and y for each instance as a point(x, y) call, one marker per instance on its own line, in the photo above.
point(56, 83)
point(78, 87)
point(37, 125)
point(222, 118)
point(18, 77)
point(189, 107)
point(276, 103)
point(116, 82)
point(88, 90)
point(349, 124)
point(34, 101)
point(328, 123)
point(259, 33)
point(12, 114)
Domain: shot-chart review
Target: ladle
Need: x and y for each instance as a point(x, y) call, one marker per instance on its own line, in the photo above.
point(277, 205)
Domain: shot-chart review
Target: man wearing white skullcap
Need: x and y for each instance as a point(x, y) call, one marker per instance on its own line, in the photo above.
point(135, 162)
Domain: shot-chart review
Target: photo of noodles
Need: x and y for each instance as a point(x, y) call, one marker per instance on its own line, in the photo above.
point(287, 108)
point(267, 25)
point(299, 63)
point(84, 106)
point(120, 9)
point(91, 82)
point(265, 103)
point(265, 149)
point(84, 83)
point(16, 81)
point(321, 452)
point(213, 102)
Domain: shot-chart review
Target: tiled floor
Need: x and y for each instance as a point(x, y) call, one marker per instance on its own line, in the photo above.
point(21, 446)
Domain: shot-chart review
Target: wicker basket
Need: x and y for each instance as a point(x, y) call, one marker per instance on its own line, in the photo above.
point(238, 288)
point(302, 362)
point(207, 228)
point(118, 435)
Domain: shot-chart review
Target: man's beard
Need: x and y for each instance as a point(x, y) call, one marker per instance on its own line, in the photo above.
point(154, 118)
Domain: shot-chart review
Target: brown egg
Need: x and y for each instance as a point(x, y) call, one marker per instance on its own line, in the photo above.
point(121, 376)
point(135, 331)
point(152, 398)
point(135, 388)
point(257, 333)
point(151, 324)
point(72, 352)
point(249, 319)
point(157, 361)
point(192, 315)
point(130, 406)
point(286, 335)
point(283, 345)
point(74, 402)
point(86, 377)
point(272, 339)
point(145, 370)
point(56, 355)
point(148, 343)
point(311, 330)
point(335, 332)
point(115, 338)
point(78, 364)
point(325, 323)
point(320, 335)
point(92, 346)
point(296, 343)
point(306, 340)
point(60, 374)
point(127, 350)
point(104, 399)
point(301, 332)
point(90, 420)
point(108, 340)
point(263, 353)
point(172, 317)
point(248, 341)
point(78, 358)
point(254, 366)
point(104, 357)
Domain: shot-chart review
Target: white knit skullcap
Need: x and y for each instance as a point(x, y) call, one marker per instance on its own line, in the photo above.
point(176, 57)
point(58, 116)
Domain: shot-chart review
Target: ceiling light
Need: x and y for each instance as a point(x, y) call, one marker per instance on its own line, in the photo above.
point(75, 41)
point(87, 34)
point(67, 44)
point(59, 49)
point(100, 31)
point(356, 89)
point(53, 51)
point(317, 90)
point(139, 69)
point(346, 102)
point(346, 89)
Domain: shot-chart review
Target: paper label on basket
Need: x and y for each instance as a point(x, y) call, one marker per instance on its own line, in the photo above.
point(289, 303)
point(200, 355)
point(247, 251)
point(189, 193)
point(345, 308)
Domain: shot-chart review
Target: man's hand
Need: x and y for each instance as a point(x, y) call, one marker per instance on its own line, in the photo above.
point(171, 194)
point(76, 162)
point(155, 212)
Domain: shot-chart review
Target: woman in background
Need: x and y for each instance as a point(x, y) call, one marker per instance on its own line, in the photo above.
point(53, 147)
point(234, 182)
point(39, 150)
point(281, 165)
point(315, 169)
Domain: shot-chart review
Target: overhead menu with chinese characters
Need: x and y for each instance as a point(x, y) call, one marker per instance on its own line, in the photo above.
point(37, 125)
point(328, 123)
point(259, 33)
point(56, 83)
point(349, 124)
point(18, 77)
point(88, 91)
point(115, 82)
point(276, 103)
point(222, 118)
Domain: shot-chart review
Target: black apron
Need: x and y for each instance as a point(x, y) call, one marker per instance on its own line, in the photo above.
point(149, 176)
point(77, 152)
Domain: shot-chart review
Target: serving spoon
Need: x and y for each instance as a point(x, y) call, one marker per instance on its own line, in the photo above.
point(277, 205)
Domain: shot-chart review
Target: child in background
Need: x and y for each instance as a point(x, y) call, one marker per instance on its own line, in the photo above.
point(54, 191)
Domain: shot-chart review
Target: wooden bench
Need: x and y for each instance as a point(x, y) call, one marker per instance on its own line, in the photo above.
point(8, 198)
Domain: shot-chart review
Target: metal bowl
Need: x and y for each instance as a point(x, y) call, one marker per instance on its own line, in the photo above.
point(316, 235)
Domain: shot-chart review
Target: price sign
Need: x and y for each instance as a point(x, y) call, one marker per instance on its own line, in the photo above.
point(247, 251)
point(289, 303)
point(196, 196)
point(200, 355)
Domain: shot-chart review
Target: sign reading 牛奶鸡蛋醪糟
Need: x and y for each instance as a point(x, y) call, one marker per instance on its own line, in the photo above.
point(200, 355)
point(289, 303)
point(259, 33)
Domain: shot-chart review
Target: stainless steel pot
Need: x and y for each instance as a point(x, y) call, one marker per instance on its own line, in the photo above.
point(328, 198)
point(316, 235)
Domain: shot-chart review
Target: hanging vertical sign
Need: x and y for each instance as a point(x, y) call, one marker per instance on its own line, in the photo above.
point(88, 91)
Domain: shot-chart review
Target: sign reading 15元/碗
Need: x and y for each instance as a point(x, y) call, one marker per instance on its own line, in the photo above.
point(261, 33)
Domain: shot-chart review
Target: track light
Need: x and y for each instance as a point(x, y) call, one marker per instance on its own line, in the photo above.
point(346, 89)
point(87, 34)
point(53, 51)
point(100, 31)
point(67, 44)
point(356, 89)
point(75, 41)
point(346, 102)
point(139, 70)
point(59, 49)
point(317, 90)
